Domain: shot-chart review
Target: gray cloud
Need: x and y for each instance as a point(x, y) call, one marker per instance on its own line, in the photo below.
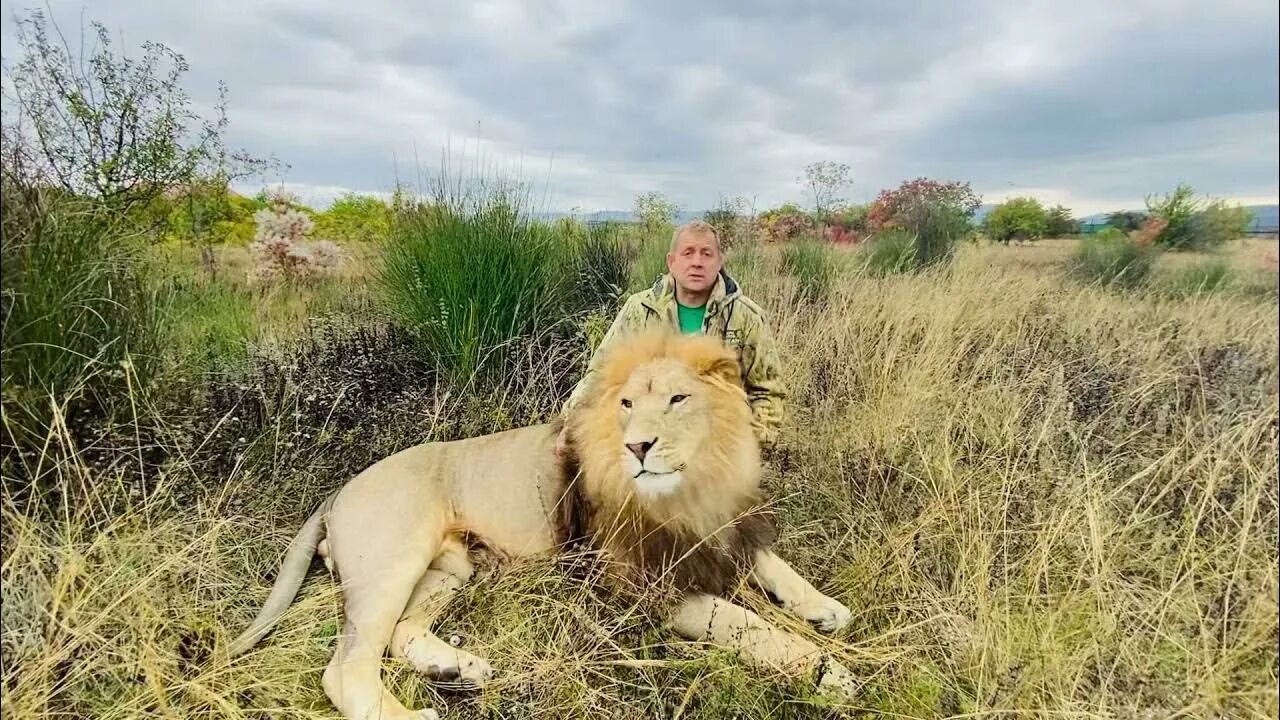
point(1090, 104)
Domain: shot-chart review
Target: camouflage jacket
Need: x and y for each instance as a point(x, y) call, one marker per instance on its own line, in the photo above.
point(732, 317)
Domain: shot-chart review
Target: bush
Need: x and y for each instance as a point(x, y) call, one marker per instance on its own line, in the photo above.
point(784, 223)
point(1209, 276)
point(1017, 219)
point(80, 324)
point(1110, 259)
point(1192, 224)
point(470, 276)
point(280, 248)
point(812, 264)
point(892, 207)
point(732, 221)
point(1218, 223)
point(354, 218)
point(889, 252)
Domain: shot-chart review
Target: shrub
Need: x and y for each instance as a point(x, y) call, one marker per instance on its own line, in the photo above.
point(891, 207)
point(1176, 210)
point(1218, 223)
point(1196, 224)
point(732, 220)
point(787, 222)
point(355, 218)
point(1110, 259)
point(469, 276)
point(1204, 277)
point(1017, 219)
point(812, 263)
point(280, 249)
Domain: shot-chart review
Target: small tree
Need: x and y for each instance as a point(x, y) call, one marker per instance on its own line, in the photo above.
point(1017, 219)
point(1061, 222)
point(825, 181)
point(1176, 210)
point(891, 207)
point(101, 124)
point(655, 211)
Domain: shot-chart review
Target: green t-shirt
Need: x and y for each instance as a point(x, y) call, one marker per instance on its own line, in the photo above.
point(691, 318)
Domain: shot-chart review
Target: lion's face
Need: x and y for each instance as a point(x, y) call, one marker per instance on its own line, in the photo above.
point(665, 414)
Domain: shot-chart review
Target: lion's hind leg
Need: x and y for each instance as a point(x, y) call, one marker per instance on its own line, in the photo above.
point(380, 565)
point(413, 640)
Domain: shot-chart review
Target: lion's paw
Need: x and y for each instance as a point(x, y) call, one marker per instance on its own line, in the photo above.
point(427, 714)
point(827, 614)
point(837, 682)
point(461, 668)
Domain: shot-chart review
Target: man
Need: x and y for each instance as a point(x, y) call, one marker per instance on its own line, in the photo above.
point(698, 296)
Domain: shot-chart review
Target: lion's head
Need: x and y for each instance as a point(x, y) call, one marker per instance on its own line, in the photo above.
point(670, 465)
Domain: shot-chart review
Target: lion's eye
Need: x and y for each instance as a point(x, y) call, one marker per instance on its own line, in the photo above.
point(678, 399)
point(626, 403)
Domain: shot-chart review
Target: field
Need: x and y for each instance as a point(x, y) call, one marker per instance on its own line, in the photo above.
point(1039, 498)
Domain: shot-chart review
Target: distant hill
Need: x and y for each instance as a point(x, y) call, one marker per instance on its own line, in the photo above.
point(625, 216)
point(1266, 218)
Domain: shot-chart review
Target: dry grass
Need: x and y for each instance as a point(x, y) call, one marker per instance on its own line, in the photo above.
point(1037, 499)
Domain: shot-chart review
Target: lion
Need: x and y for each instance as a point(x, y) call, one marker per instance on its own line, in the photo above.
point(662, 478)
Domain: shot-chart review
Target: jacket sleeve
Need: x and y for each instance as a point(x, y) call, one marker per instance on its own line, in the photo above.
point(622, 324)
point(764, 385)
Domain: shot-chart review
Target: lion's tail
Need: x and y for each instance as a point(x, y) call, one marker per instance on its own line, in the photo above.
point(292, 571)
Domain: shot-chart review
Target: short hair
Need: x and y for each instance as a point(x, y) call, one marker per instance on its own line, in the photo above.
point(702, 227)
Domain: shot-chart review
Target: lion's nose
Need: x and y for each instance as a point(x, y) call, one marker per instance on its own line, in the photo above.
point(641, 449)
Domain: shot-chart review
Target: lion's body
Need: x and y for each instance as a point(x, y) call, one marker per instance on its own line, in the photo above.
point(668, 486)
point(506, 490)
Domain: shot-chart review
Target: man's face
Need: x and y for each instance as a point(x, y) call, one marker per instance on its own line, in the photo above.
point(695, 262)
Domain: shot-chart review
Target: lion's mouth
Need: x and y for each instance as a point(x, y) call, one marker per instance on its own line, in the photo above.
point(655, 473)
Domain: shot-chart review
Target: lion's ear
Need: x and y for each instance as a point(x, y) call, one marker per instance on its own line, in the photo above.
point(723, 368)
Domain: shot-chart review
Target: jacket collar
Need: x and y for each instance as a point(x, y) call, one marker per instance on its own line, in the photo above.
point(663, 294)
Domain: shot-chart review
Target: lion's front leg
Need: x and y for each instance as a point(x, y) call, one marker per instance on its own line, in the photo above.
point(773, 575)
point(716, 620)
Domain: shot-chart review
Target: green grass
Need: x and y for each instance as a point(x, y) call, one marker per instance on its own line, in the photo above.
point(80, 320)
point(1109, 259)
point(812, 263)
point(1205, 276)
point(473, 277)
point(889, 252)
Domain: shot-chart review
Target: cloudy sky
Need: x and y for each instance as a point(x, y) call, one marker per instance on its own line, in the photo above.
point(1089, 103)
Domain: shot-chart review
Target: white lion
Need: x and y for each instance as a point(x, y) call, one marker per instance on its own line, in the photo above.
point(662, 478)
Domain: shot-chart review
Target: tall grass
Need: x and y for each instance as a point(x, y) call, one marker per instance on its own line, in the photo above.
point(651, 248)
point(1039, 500)
point(78, 315)
point(889, 252)
point(1109, 259)
point(1205, 276)
point(472, 276)
point(812, 263)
